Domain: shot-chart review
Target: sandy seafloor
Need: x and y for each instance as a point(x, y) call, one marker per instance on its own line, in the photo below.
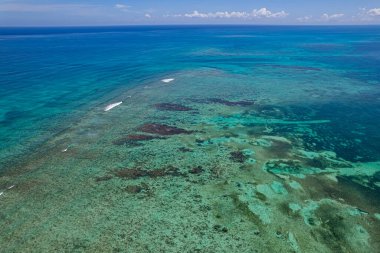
point(264, 158)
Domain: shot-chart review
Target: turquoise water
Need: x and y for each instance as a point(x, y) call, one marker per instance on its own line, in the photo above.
point(258, 127)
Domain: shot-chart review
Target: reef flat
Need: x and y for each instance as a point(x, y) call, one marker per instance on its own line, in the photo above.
point(251, 158)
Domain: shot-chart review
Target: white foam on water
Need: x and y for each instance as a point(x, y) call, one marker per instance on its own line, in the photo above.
point(1, 193)
point(110, 106)
point(64, 150)
point(167, 80)
point(10, 187)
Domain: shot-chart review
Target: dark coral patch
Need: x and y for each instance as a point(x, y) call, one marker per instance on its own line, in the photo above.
point(162, 129)
point(184, 149)
point(136, 173)
point(134, 189)
point(172, 107)
point(196, 170)
point(169, 171)
point(238, 156)
point(134, 139)
point(103, 178)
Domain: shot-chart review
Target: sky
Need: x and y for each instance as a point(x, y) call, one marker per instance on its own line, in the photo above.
point(156, 12)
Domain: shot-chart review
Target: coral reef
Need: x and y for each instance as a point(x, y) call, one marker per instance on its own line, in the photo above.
point(238, 156)
point(162, 129)
point(136, 173)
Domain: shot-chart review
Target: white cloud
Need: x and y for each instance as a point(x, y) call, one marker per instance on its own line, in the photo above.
point(374, 12)
point(219, 14)
point(365, 15)
point(147, 15)
point(261, 13)
point(332, 17)
point(196, 14)
point(304, 19)
point(122, 7)
point(264, 12)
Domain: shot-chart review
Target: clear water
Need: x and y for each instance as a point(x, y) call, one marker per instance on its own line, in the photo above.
point(275, 148)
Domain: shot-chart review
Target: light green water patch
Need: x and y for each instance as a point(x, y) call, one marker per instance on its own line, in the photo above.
point(326, 163)
point(266, 190)
point(295, 185)
point(313, 212)
point(224, 140)
point(278, 188)
point(307, 213)
point(263, 143)
point(267, 140)
point(362, 173)
point(276, 138)
point(248, 152)
point(273, 190)
point(251, 161)
point(290, 168)
point(326, 158)
point(294, 207)
point(250, 198)
point(359, 236)
point(293, 242)
point(365, 174)
point(355, 211)
point(361, 169)
point(262, 211)
point(335, 226)
point(312, 155)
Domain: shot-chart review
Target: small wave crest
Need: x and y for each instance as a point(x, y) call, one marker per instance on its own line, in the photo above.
point(167, 80)
point(111, 106)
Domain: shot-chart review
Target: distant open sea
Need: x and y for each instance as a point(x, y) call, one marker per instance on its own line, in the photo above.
point(50, 76)
point(214, 102)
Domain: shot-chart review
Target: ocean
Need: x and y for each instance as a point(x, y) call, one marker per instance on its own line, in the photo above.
point(190, 138)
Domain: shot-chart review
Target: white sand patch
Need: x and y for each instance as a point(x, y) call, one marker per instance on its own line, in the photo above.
point(167, 80)
point(110, 106)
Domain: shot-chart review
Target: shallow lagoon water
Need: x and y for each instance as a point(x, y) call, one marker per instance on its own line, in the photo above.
point(265, 140)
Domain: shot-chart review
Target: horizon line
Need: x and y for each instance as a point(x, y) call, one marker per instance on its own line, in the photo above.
point(152, 25)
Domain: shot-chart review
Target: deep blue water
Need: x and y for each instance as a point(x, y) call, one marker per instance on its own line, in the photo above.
point(50, 76)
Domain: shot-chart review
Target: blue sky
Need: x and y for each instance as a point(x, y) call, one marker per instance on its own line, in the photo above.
point(132, 12)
